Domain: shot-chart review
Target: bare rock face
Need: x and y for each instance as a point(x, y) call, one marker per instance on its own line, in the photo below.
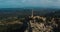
point(41, 26)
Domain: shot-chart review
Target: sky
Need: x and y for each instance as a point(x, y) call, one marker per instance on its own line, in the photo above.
point(29, 3)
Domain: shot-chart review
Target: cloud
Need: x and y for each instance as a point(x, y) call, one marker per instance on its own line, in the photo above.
point(24, 3)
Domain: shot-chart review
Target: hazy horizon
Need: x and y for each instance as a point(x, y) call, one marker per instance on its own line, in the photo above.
point(29, 3)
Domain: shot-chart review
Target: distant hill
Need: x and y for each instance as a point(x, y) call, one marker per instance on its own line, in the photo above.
point(25, 11)
point(54, 14)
